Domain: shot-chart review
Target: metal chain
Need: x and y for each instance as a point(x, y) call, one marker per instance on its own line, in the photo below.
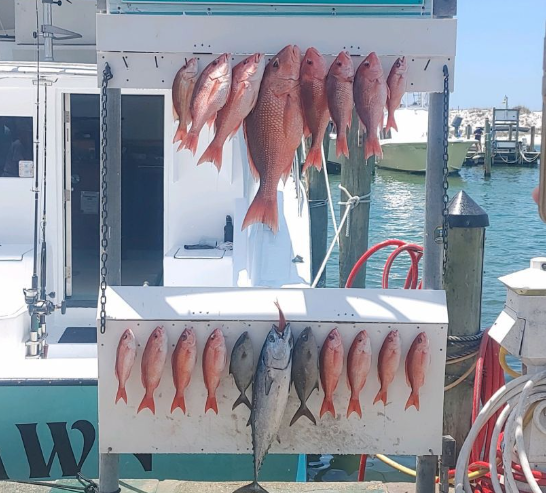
point(446, 169)
point(106, 76)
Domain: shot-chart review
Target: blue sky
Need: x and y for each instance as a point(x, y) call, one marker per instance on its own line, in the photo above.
point(499, 51)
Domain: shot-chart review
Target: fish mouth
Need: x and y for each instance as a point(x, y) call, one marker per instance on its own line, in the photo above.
point(258, 57)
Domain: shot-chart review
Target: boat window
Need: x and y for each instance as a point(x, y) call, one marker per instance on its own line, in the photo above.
point(16, 152)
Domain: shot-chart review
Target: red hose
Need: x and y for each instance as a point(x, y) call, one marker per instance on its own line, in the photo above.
point(415, 252)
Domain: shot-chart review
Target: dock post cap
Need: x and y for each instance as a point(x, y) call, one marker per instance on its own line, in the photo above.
point(463, 212)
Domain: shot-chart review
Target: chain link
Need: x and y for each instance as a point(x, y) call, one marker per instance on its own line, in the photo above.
point(106, 76)
point(446, 169)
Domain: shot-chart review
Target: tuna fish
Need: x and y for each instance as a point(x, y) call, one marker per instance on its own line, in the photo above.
point(125, 359)
point(183, 363)
point(331, 366)
point(241, 366)
point(183, 85)
point(396, 81)
point(245, 84)
point(273, 132)
point(315, 103)
point(359, 363)
point(209, 96)
point(214, 362)
point(305, 372)
point(417, 363)
point(388, 363)
point(269, 396)
point(339, 87)
point(153, 362)
point(370, 94)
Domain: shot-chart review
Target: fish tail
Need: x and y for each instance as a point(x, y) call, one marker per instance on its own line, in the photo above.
point(303, 411)
point(341, 145)
point(147, 403)
point(381, 396)
point(263, 210)
point(242, 399)
point(179, 402)
point(314, 158)
point(190, 142)
point(213, 154)
point(253, 487)
point(413, 401)
point(181, 133)
point(327, 407)
point(122, 394)
point(211, 404)
point(372, 146)
point(354, 407)
point(391, 123)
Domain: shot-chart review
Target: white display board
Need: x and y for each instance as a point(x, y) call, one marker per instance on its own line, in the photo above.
point(383, 429)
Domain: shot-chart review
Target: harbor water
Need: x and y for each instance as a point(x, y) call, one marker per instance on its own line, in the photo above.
point(514, 236)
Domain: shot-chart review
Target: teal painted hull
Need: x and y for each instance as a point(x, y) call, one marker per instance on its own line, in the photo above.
point(49, 431)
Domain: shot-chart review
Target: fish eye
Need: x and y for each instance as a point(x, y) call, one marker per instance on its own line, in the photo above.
point(125, 336)
point(215, 62)
point(398, 63)
point(304, 337)
point(276, 63)
point(366, 64)
point(184, 336)
point(338, 64)
point(309, 62)
point(271, 338)
point(331, 337)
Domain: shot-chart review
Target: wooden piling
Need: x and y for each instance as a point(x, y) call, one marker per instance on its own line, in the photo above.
point(487, 146)
point(356, 177)
point(468, 132)
point(463, 285)
point(532, 143)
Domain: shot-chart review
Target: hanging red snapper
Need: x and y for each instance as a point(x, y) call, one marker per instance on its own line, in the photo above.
point(214, 362)
point(183, 363)
point(183, 85)
point(273, 132)
point(370, 95)
point(245, 85)
point(339, 88)
point(388, 363)
point(331, 366)
point(417, 363)
point(315, 103)
point(359, 363)
point(125, 359)
point(396, 82)
point(209, 96)
point(153, 361)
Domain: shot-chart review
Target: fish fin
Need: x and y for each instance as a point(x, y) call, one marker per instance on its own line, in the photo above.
point(147, 403)
point(268, 383)
point(314, 158)
point(249, 420)
point(381, 396)
point(242, 399)
point(327, 407)
point(372, 147)
point(306, 130)
point(263, 210)
point(181, 133)
point(303, 411)
point(253, 169)
point(406, 368)
point(122, 394)
point(180, 402)
point(290, 113)
point(316, 386)
point(213, 154)
point(211, 120)
point(354, 407)
point(253, 487)
point(234, 132)
point(391, 123)
point(388, 93)
point(211, 403)
point(341, 145)
point(175, 114)
point(413, 401)
point(190, 142)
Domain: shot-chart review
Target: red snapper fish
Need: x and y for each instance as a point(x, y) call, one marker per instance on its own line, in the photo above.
point(273, 132)
point(417, 363)
point(183, 363)
point(214, 362)
point(315, 103)
point(245, 85)
point(209, 95)
point(331, 366)
point(125, 359)
point(183, 85)
point(370, 94)
point(339, 88)
point(396, 82)
point(153, 361)
point(359, 363)
point(388, 364)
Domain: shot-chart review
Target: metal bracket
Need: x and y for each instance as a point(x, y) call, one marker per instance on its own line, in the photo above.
point(447, 461)
point(63, 34)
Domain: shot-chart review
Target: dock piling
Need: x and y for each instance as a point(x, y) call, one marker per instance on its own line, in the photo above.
point(532, 143)
point(487, 158)
point(468, 132)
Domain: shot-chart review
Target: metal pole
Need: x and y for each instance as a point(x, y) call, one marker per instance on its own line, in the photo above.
point(48, 37)
point(433, 255)
point(487, 156)
point(532, 142)
point(425, 481)
point(109, 473)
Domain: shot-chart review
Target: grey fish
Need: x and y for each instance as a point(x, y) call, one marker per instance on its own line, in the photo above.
point(241, 366)
point(305, 372)
point(269, 395)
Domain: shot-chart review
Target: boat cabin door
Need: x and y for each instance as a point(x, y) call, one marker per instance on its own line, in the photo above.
point(141, 194)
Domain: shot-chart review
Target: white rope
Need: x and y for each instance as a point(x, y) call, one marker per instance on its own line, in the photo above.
point(350, 204)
